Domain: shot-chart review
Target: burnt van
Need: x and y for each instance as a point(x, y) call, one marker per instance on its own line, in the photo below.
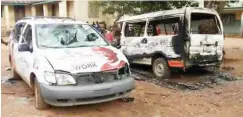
point(179, 38)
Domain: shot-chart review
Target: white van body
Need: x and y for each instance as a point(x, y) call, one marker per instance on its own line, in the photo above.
point(181, 47)
point(67, 62)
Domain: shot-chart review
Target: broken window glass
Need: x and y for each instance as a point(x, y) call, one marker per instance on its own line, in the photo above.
point(67, 36)
point(202, 23)
point(135, 29)
point(165, 26)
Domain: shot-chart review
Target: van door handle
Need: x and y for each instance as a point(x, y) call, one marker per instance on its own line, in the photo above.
point(144, 40)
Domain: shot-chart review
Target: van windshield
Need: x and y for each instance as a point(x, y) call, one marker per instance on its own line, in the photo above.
point(67, 36)
point(202, 23)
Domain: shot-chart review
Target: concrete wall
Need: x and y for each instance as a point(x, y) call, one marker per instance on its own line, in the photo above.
point(70, 9)
point(235, 27)
point(242, 24)
point(39, 10)
point(11, 16)
point(8, 20)
point(81, 10)
point(28, 10)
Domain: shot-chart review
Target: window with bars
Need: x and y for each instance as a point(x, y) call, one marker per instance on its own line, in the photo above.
point(228, 18)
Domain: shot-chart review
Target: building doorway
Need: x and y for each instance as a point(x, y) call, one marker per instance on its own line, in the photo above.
point(19, 12)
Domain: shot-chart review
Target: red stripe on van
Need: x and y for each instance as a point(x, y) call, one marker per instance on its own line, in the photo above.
point(173, 63)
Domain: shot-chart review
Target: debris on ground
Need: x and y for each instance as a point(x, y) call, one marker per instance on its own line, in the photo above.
point(8, 93)
point(228, 68)
point(23, 100)
point(8, 80)
point(226, 76)
point(127, 99)
point(206, 81)
point(236, 48)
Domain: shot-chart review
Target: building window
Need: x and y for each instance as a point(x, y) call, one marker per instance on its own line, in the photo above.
point(2, 10)
point(228, 18)
point(93, 10)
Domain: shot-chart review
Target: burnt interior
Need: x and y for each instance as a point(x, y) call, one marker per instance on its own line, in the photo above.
point(202, 23)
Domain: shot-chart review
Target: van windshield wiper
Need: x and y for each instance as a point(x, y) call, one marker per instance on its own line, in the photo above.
point(77, 46)
point(50, 46)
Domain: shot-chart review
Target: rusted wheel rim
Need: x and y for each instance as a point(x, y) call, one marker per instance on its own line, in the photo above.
point(160, 68)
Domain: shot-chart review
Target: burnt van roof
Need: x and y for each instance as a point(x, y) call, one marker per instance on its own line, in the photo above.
point(165, 13)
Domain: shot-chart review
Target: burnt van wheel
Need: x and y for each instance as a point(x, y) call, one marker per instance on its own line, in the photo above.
point(160, 68)
point(39, 100)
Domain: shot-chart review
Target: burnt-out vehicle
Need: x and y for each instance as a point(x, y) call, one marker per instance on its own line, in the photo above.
point(179, 38)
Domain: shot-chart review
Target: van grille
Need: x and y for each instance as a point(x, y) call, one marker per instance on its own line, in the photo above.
point(96, 78)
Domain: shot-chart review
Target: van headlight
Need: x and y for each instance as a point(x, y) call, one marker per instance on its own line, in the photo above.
point(59, 78)
point(65, 79)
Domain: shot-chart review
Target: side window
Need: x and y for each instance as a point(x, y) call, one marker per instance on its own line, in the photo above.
point(135, 29)
point(169, 26)
point(27, 36)
point(17, 31)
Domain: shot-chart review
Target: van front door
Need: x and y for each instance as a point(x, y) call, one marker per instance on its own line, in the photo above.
point(206, 39)
point(25, 58)
point(133, 41)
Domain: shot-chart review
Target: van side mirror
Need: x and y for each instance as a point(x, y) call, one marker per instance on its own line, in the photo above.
point(24, 47)
point(118, 46)
point(92, 37)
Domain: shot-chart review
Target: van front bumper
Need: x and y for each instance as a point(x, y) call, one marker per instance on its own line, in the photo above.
point(88, 94)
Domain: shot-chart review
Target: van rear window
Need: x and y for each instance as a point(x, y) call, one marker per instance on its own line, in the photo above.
point(202, 23)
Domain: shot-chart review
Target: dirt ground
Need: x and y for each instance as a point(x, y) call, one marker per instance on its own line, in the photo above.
point(223, 100)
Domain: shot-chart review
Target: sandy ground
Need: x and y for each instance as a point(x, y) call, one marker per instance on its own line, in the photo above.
point(225, 100)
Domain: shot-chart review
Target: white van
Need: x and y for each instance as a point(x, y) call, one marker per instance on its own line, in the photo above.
point(179, 38)
point(67, 62)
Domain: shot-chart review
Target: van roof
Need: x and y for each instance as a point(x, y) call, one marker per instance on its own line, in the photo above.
point(166, 12)
point(48, 19)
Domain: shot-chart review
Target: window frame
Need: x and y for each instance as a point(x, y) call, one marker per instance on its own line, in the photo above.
point(214, 18)
point(143, 28)
point(161, 19)
point(25, 34)
point(18, 26)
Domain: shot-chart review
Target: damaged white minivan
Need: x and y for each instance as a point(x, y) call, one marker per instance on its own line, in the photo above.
point(67, 62)
point(179, 38)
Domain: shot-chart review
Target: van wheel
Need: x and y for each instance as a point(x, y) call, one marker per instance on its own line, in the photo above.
point(39, 100)
point(214, 69)
point(14, 74)
point(160, 68)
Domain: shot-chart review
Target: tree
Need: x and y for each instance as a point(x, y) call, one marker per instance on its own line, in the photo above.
point(140, 7)
point(218, 5)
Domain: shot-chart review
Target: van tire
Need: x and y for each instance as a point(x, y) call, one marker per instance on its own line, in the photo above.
point(160, 68)
point(39, 100)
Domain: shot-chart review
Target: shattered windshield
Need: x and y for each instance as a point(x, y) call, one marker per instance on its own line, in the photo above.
point(67, 36)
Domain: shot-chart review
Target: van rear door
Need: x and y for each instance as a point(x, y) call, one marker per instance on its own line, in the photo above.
point(206, 38)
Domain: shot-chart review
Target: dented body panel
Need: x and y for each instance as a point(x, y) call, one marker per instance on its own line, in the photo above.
point(98, 72)
point(186, 47)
